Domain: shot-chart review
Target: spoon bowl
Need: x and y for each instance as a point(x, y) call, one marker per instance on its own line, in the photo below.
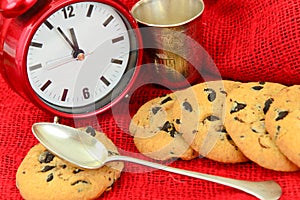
point(81, 149)
point(71, 144)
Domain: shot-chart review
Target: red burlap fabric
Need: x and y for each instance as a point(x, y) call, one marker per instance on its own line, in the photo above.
point(249, 40)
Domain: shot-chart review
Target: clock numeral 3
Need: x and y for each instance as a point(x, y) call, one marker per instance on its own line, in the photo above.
point(86, 93)
point(68, 12)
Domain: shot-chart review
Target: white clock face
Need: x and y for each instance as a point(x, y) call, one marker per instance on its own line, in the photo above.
point(78, 55)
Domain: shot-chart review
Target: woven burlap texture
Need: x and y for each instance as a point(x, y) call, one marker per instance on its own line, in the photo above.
point(249, 40)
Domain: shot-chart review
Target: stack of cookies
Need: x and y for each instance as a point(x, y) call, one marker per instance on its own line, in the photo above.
point(226, 121)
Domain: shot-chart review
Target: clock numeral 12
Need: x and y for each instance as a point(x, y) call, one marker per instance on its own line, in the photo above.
point(68, 12)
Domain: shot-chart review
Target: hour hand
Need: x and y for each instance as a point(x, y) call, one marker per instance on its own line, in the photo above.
point(75, 42)
point(77, 53)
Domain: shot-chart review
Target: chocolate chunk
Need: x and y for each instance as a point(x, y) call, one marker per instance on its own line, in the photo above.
point(257, 87)
point(79, 181)
point(261, 83)
point(169, 128)
point(230, 140)
point(253, 130)
point(237, 107)
point(63, 166)
point(50, 177)
point(166, 100)
point(239, 120)
point(155, 110)
point(46, 157)
point(76, 171)
point(223, 92)
point(281, 115)
point(47, 168)
point(177, 121)
point(91, 131)
point(278, 128)
point(212, 118)
point(277, 132)
point(187, 106)
point(222, 129)
point(267, 105)
point(228, 137)
point(212, 94)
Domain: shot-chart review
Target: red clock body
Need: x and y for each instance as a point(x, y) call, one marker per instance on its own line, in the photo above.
point(73, 58)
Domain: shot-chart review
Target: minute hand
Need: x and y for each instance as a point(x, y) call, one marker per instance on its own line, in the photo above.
point(77, 53)
point(66, 38)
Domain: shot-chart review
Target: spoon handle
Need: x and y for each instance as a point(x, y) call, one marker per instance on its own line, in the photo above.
point(261, 189)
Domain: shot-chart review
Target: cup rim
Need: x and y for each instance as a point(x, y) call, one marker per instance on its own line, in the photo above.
point(139, 3)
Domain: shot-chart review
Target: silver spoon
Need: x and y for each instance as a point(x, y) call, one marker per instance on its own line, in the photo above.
point(85, 151)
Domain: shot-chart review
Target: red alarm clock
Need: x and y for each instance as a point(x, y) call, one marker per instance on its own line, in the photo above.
point(74, 58)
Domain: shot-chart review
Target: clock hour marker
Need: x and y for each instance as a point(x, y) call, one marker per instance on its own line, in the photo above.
point(90, 10)
point(36, 44)
point(64, 95)
point(48, 24)
point(105, 81)
point(116, 61)
point(108, 20)
point(46, 85)
point(35, 67)
point(118, 39)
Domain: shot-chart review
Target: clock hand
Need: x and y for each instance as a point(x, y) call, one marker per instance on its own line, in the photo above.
point(66, 38)
point(75, 42)
point(78, 53)
point(55, 63)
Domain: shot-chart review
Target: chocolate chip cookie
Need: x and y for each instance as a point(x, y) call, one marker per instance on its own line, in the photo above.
point(43, 175)
point(199, 114)
point(245, 122)
point(283, 122)
point(154, 132)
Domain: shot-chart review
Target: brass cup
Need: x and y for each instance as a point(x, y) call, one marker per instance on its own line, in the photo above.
point(167, 27)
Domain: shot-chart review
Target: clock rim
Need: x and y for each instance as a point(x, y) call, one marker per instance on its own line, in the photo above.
point(30, 22)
